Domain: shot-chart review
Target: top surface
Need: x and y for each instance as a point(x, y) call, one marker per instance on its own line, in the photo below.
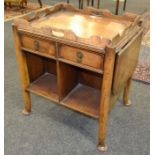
point(84, 26)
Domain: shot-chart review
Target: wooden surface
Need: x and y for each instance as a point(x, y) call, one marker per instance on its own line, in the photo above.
point(83, 26)
point(23, 70)
point(126, 62)
point(68, 78)
point(83, 99)
point(90, 78)
point(45, 86)
point(105, 95)
point(34, 70)
point(39, 45)
point(98, 28)
point(81, 59)
point(81, 56)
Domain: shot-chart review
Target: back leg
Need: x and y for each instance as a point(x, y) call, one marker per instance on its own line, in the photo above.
point(126, 100)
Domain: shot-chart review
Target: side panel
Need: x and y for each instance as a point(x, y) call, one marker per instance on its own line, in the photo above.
point(125, 64)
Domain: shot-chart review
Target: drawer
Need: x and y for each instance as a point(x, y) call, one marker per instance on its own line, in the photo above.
point(82, 57)
point(38, 45)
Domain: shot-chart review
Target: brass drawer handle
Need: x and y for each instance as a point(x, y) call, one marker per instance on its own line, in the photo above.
point(79, 56)
point(36, 45)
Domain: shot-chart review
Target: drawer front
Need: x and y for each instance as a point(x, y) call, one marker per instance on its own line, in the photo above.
point(82, 57)
point(38, 45)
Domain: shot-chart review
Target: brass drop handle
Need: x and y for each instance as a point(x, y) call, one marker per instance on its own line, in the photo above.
point(36, 45)
point(79, 56)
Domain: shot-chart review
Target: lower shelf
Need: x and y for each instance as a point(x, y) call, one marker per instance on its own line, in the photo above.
point(83, 99)
point(45, 86)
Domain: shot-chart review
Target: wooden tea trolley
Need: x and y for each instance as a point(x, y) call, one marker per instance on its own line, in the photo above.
point(81, 59)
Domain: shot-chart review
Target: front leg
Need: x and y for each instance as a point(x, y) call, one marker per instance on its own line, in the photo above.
point(126, 100)
point(23, 70)
point(105, 97)
point(27, 100)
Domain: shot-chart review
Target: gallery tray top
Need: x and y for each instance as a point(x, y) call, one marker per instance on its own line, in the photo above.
point(97, 28)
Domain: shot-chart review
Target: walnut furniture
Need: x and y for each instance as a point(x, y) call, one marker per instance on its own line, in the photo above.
point(80, 59)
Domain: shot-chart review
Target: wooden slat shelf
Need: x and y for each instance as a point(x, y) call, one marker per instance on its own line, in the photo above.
point(45, 86)
point(83, 99)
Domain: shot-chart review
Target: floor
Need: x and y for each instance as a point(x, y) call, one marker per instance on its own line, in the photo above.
point(55, 130)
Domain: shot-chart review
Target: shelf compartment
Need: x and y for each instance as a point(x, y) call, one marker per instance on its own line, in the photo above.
point(46, 86)
point(84, 99)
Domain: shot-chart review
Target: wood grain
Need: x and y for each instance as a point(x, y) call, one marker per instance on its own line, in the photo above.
point(44, 46)
point(46, 86)
point(34, 70)
point(23, 70)
point(81, 59)
point(71, 53)
point(88, 26)
point(126, 62)
point(83, 99)
point(68, 78)
point(105, 95)
point(90, 78)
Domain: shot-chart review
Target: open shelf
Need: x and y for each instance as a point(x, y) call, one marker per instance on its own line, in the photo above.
point(71, 86)
point(83, 99)
point(46, 86)
point(80, 89)
point(43, 76)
